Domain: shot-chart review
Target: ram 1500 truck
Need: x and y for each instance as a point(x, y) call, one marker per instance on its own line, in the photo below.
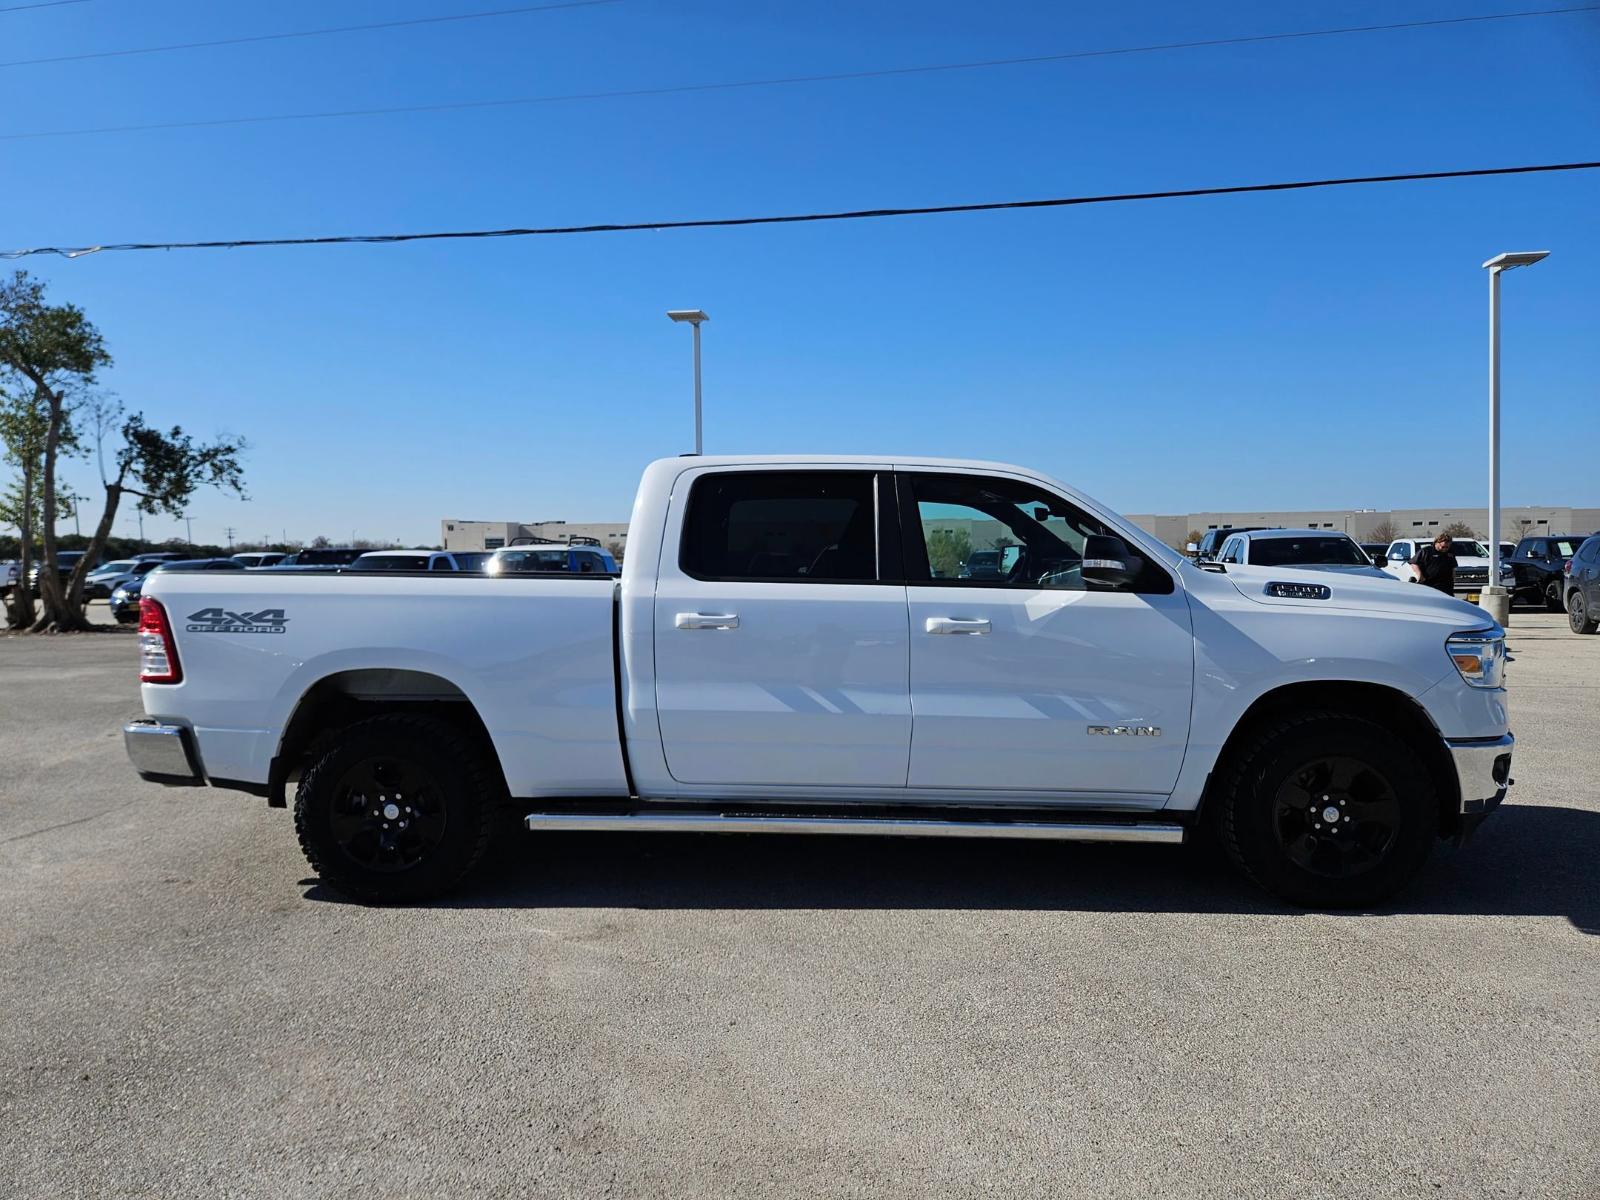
point(792, 645)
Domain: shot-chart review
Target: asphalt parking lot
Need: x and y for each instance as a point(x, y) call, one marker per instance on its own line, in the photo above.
point(187, 1013)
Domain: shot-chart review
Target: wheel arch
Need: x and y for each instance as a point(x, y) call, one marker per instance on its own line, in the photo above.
point(344, 697)
point(1390, 707)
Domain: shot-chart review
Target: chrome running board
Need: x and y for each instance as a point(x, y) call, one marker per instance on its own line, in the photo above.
point(669, 822)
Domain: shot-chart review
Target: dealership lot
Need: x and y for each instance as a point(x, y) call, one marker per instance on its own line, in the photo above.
point(188, 1013)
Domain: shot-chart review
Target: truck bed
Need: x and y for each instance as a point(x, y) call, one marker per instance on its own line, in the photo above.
point(534, 654)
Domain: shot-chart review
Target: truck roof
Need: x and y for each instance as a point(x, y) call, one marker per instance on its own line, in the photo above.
point(1257, 535)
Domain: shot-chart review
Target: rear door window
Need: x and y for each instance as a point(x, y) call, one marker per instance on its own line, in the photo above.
point(788, 526)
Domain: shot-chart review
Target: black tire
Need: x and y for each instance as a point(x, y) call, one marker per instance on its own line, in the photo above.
point(415, 843)
point(1552, 596)
point(1385, 813)
point(1579, 619)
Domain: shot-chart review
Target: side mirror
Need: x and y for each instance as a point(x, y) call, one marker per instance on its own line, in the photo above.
point(1108, 561)
point(1192, 548)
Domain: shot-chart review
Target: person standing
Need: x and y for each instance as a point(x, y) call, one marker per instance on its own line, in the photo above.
point(1435, 565)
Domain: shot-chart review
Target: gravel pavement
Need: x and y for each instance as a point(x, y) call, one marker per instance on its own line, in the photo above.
point(188, 1014)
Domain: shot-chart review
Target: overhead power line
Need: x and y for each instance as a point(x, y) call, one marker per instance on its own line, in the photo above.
point(305, 33)
point(40, 4)
point(800, 218)
point(794, 80)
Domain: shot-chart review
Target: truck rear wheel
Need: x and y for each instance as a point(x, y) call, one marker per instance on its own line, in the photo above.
point(1552, 596)
point(1328, 810)
point(395, 808)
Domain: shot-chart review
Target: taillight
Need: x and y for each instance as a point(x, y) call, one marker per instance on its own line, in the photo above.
point(1566, 568)
point(158, 654)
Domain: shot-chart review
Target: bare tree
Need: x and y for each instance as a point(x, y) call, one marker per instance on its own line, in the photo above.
point(52, 351)
point(161, 470)
point(1459, 529)
point(1383, 531)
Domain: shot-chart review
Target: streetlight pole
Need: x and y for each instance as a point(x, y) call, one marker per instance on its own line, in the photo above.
point(695, 317)
point(1495, 599)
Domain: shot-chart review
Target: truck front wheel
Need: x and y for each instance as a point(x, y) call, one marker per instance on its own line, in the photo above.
point(1328, 810)
point(394, 808)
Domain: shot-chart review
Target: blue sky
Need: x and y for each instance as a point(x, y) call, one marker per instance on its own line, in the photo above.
point(1303, 350)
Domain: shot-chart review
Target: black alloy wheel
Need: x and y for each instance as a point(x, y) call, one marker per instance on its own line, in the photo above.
point(1578, 618)
point(1552, 596)
point(1326, 808)
point(397, 807)
point(387, 815)
point(1336, 816)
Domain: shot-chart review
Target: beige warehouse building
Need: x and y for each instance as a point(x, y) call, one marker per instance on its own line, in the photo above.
point(1359, 523)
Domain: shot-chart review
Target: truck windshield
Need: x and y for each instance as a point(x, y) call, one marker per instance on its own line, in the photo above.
point(1467, 548)
point(509, 562)
point(391, 562)
point(1316, 551)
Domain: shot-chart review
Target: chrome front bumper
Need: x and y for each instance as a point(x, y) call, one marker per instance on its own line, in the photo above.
point(1483, 769)
point(163, 753)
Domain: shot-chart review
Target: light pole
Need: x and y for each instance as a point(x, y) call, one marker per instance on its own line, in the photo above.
point(695, 317)
point(188, 529)
point(75, 498)
point(1495, 599)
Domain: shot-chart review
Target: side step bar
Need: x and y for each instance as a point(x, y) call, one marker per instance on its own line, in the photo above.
point(1065, 831)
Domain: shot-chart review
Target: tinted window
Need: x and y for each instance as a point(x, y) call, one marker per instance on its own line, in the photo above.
point(991, 532)
point(1564, 547)
point(1318, 551)
point(516, 562)
point(1466, 548)
point(474, 560)
point(393, 562)
point(811, 526)
point(441, 564)
point(1590, 550)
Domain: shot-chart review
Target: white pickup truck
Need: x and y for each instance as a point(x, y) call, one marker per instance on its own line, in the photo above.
point(792, 645)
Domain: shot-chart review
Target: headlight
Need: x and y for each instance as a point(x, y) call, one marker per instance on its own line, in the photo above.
point(1479, 657)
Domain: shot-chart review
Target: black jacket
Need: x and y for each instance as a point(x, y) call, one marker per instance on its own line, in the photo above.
point(1438, 568)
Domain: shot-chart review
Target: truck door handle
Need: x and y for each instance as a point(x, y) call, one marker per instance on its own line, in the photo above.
point(957, 625)
point(707, 621)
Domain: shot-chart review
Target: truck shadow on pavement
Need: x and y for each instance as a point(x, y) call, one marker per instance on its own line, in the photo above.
point(1527, 861)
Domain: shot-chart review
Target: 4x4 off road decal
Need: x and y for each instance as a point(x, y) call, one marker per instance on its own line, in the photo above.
point(218, 620)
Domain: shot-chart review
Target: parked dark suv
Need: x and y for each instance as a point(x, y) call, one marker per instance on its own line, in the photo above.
point(65, 561)
point(1207, 549)
point(1580, 589)
point(323, 556)
point(1539, 564)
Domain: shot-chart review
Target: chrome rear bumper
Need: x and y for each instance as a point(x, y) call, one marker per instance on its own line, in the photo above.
point(163, 753)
